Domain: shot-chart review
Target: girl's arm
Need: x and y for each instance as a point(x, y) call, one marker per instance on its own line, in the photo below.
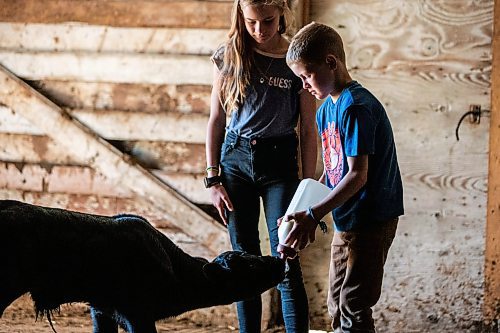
point(216, 125)
point(308, 134)
point(215, 137)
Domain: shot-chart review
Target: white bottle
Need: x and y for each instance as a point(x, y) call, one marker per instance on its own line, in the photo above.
point(308, 193)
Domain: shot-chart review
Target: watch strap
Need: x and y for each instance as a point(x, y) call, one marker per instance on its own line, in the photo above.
point(211, 181)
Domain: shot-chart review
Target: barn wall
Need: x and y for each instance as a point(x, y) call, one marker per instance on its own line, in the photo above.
point(428, 61)
point(136, 74)
point(492, 253)
point(120, 67)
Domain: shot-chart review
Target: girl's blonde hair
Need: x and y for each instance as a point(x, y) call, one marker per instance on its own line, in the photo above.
point(238, 52)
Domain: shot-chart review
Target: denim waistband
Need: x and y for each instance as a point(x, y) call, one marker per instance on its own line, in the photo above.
point(237, 140)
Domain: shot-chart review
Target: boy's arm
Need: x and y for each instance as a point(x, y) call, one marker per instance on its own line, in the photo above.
point(308, 133)
point(322, 177)
point(352, 182)
point(304, 228)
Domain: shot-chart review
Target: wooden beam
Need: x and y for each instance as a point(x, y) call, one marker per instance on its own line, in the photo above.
point(101, 156)
point(87, 181)
point(492, 253)
point(12, 122)
point(58, 179)
point(183, 98)
point(120, 13)
point(171, 157)
point(40, 149)
point(74, 37)
point(170, 126)
point(117, 68)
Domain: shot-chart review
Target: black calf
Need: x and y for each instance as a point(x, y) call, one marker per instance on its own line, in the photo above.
point(128, 272)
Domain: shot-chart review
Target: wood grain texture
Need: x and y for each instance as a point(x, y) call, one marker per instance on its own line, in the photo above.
point(100, 67)
point(127, 97)
point(72, 179)
point(18, 96)
point(145, 126)
point(35, 149)
point(427, 61)
point(387, 34)
point(175, 127)
point(74, 37)
point(177, 14)
point(492, 254)
point(12, 122)
point(58, 179)
point(178, 157)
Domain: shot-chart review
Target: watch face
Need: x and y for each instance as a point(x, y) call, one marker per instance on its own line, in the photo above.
point(211, 181)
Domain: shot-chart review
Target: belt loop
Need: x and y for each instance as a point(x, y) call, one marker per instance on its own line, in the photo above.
point(233, 139)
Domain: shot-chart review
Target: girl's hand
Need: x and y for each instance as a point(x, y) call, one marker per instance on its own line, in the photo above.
point(221, 201)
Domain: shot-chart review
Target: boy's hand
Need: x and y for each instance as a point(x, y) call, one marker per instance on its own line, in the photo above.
point(303, 231)
point(221, 201)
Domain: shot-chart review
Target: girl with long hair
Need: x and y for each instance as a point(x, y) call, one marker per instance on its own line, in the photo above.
point(255, 154)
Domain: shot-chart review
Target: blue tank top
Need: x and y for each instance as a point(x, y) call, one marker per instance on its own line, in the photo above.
point(271, 107)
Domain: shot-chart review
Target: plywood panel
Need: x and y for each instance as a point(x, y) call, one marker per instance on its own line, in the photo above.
point(427, 61)
point(209, 14)
point(74, 37)
point(492, 253)
point(387, 34)
point(117, 68)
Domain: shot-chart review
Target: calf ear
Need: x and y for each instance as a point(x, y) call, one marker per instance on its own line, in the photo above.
point(215, 272)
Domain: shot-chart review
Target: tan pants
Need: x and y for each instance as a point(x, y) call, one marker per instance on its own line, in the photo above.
point(356, 272)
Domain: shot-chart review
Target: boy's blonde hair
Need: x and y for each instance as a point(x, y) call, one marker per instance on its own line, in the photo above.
point(313, 43)
point(238, 53)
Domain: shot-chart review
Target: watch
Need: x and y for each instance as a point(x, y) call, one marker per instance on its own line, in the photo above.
point(211, 181)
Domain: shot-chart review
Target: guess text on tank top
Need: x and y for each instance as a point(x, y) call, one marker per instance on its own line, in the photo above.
point(279, 82)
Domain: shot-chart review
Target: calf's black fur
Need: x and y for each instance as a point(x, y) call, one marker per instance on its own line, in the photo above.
point(126, 270)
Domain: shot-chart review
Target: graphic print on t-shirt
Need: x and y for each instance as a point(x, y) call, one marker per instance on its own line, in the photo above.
point(332, 153)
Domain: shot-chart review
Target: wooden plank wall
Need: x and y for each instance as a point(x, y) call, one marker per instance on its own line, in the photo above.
point(137, 74)
point(122, 65)
point(428, 61)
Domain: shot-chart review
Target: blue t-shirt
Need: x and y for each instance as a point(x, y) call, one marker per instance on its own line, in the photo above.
point(357, 124)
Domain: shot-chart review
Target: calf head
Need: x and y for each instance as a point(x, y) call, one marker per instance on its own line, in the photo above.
point(239, 275)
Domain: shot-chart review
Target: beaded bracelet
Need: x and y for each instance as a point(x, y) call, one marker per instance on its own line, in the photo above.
point(212, 168)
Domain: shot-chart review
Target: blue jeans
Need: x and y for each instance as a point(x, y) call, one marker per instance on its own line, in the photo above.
point(266, 168)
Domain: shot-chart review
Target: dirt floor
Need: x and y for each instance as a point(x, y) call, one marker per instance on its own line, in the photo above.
point(19, 317)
